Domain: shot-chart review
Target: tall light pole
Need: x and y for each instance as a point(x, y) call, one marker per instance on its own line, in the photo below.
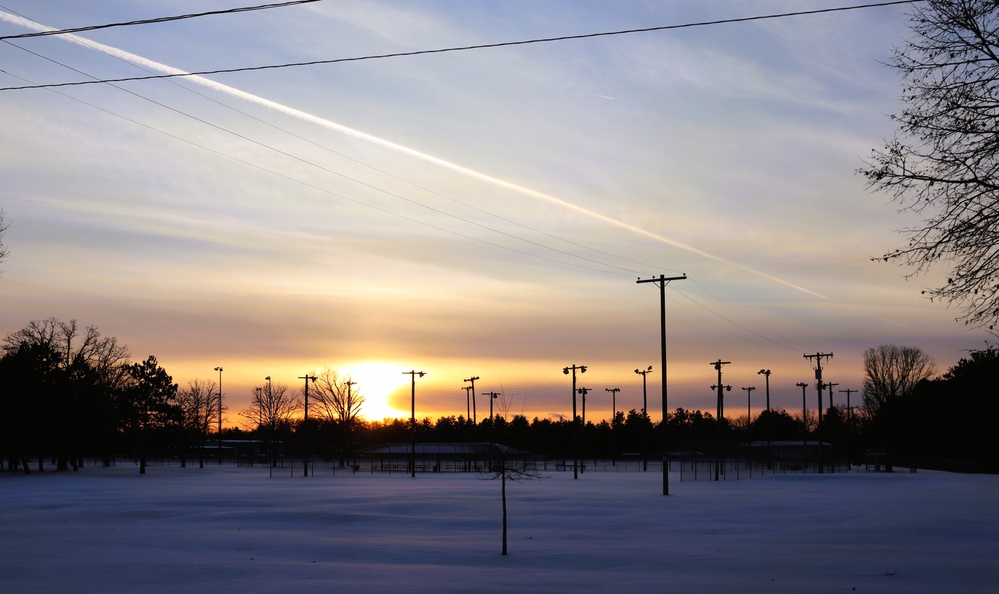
point(219, 369)
point(582, 434)
point(645, 418)
point(661, 282)
point(613, 392)
point(305, 422)
point(272, 420)
point(475, 420)
point(720, 387)
point(492, 396)
point(804, 423)
point(749, 410)
point(412, 419)
point(766, 374)
point(575, 420)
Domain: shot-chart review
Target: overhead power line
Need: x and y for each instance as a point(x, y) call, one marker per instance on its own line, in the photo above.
point(467, 47)
point(165, 19)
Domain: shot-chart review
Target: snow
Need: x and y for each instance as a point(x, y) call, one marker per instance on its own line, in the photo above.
point(238, 529)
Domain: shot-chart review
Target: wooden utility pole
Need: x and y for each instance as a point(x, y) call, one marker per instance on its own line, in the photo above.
point(645, 418)
point(412, 420)
point(661, 282)
point(721, 414)
point(305, 423)
point(819, 385)
point(475, 420)
point(575, 419)
point(613, 392)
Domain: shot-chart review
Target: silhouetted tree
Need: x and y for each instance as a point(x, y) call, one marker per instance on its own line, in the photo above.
point(151, 400)
point(28, 377)
point(942, 162)
point(891, 372)
point(199, 406)
point(270, 411)
point(953, 417)
point(88, 379)
point(338, 402)
point(505, 468)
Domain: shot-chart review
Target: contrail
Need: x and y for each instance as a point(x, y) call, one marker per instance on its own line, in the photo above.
point(291, 111)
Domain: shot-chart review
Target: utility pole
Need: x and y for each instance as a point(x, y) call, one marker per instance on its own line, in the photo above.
point(582, 433)
point(412, 419)
point(804, 423)
point(849, 426)
point(613, 392)
point(831, 385)
point(749, 410)
point(350, 416)
point(645, 418)
point(305, 422)
point(492, 396)
point(766, 374)
point(219, 369)
point(819, 385)
point(475, 420)
point(575, 420)
point(468, 403)
point(849, 409)
point(721, 413)
point(661, 282)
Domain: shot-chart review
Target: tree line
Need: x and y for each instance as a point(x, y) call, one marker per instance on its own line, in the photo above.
point(70, 394)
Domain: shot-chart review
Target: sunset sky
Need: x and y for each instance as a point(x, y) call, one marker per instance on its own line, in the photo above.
point(483, 212)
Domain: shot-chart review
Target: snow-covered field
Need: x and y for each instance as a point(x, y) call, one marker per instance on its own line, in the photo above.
point(236, 529)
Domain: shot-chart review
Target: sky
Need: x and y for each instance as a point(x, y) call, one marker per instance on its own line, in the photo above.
point(476, 213)
point(90, 531)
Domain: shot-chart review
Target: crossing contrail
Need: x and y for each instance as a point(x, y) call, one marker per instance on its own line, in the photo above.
point(331, 125)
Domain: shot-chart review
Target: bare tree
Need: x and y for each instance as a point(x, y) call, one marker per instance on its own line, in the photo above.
point(199, 406)
point(890, 374)
point(270, 411)
point(943, 163)
point(504, 468)
point(336, 397)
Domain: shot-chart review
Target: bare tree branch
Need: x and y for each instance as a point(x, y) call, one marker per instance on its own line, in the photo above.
point(944, 160)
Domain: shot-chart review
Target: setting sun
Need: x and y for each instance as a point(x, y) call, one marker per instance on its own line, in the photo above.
point(377, 382)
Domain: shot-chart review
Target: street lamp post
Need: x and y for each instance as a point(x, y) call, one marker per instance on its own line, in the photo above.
point(272, 421)
point(412, 419)
point(770, 449)
point(804, 422)
point(749, 411)
point(575, 421)
point(582, 433)
point(492, 396)
point(645, 418)
point(305, 422)
point(613, 392)
point(219, 369)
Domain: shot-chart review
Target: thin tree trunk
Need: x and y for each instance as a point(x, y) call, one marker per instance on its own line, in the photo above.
point(503, 489)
